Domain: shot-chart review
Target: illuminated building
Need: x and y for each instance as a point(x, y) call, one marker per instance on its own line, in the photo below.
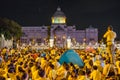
point(59, 31)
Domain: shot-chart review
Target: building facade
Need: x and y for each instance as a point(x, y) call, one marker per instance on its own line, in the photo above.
point(58, 31)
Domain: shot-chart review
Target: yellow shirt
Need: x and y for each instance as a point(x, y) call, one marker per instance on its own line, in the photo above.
point(118, 70)
point(71, 78)
point(61, 73)
point(95, 75)
point(81, 77)
point(12, 51)
point(35, 75)
point(117, 64)
point(43, 63)
point(40, 78)
point(110, 36)
point(105, 69)
point(12, 76)
point(53, 51)
point(47, 69)
point(33, 69)
point(52, 74)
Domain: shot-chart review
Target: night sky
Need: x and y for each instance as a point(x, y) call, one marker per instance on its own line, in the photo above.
point(82, 13)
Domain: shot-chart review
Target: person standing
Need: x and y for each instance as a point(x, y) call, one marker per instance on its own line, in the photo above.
point(95, 74)
point(110, 36)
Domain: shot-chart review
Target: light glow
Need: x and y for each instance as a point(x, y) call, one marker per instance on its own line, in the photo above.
point(58, 20)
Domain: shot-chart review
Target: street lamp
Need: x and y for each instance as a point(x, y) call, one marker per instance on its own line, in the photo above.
point(51, 42)
point(68, 43)
point(64, 39)
point(55, 39)
point(84, 39)
point(84, 43)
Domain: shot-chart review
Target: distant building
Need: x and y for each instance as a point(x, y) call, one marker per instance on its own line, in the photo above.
point(58, 31)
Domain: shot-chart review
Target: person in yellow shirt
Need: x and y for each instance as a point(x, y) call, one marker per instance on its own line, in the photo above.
point(98, 64)
point(117, 62)
point(52, 73)
point(4, 50)
point(61, 72)
point(12, 51)
point(106, 67)
point(47, 68)
point(118, 72)
point(43, 63)
point(3, 73)
point(35, 74)
point(53, 52)
point(110, 36)
point(41, 75)
point(95, 74)
point(81, 75)
point(89, 64)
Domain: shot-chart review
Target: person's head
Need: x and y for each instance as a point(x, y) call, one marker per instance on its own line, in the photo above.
point(107, 61)
point(41, 73)
point(110, 27)
point(74, 73)
point(24, 75)
point(31, 64)
point(95, 67)
point(52, 66)
point(81, 72)
point(2, 78)
point(91, 63)
point(20, 69)
point(18, 77)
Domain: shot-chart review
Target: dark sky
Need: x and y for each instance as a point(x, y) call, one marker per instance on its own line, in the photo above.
point(99, 13)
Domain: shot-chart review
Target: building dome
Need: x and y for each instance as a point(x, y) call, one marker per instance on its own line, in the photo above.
point(58, 17)
point(59, 13)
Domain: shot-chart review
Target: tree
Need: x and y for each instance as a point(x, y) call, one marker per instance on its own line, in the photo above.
point(10, 29)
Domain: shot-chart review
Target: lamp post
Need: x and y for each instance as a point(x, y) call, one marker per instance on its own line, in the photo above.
point(64, 38)
point(68, 42)
point(51, 42)
point(33, 41)
point(84, 43)
point(44, 40)
point(55, 40)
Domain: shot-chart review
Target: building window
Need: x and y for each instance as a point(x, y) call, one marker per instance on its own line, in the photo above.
point(38, 30)
point(31, 30)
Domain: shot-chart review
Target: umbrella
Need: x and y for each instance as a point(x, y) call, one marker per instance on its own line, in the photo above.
point(70, 56)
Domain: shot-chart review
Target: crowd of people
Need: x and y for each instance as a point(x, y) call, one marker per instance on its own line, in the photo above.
point(29, 64)
point(32, 64)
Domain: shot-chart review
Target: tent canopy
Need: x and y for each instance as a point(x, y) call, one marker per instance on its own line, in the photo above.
point(70, 56)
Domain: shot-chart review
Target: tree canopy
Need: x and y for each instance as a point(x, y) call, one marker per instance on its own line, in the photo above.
point(10, 29)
